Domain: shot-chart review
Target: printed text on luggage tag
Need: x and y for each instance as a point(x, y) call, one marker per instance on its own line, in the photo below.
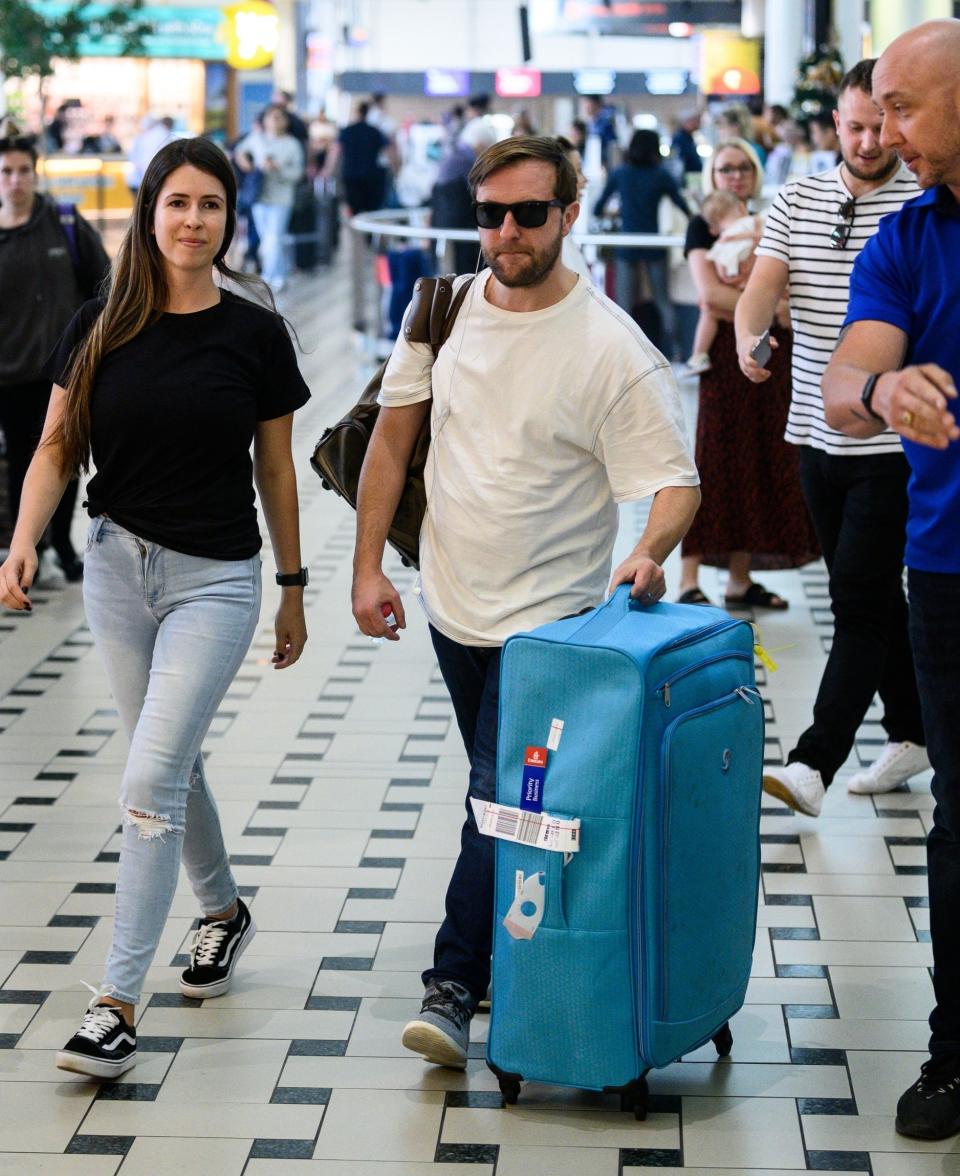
point(534, 771)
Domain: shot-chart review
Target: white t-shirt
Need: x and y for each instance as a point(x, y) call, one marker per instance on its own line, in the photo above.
point(799, 223)
point(542, 422)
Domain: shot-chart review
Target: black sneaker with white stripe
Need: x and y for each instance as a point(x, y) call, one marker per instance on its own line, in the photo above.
point(930, 1108)
point(217, 945)
point(104, 1046)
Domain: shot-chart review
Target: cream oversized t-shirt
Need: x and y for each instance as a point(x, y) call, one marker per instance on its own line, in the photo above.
point(542, 422)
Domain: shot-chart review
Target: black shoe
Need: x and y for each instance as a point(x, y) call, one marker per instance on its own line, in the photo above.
point(217, 945)
point(72, 568)
point(104, 1046)
point(930, 1109)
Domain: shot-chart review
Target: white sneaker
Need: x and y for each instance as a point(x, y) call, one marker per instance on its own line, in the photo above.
point(797, 785)
point(896, 763)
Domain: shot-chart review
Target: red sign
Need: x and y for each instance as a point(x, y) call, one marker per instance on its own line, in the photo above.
point(518, 83)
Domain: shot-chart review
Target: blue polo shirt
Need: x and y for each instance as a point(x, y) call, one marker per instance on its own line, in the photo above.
point(908, 275)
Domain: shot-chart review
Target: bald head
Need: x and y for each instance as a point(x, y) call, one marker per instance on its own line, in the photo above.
point(916, 83)
point(935, 43)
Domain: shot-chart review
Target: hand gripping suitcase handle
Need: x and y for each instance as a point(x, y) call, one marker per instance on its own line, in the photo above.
point(622, 598)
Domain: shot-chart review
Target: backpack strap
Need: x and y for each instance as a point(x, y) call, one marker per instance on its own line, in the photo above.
point(434, 310)
point(451, 317)
point(67, 214)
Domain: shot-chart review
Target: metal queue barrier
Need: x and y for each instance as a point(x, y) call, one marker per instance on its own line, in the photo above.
point(370, 231)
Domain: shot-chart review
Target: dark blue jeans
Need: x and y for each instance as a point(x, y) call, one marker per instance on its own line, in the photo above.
point(935, 633)
point(465, 939)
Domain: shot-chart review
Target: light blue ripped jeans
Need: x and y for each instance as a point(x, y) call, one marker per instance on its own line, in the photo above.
point(172, 631)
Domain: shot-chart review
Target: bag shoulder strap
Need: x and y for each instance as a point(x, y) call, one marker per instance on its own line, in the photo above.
point(67, 215)
point(451, 316)
point(433, 310)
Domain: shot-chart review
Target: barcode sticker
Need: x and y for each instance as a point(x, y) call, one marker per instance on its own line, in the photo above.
point(556, 730)
point(539, 829)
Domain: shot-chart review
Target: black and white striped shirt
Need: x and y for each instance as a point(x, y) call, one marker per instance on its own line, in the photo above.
point(799, 223)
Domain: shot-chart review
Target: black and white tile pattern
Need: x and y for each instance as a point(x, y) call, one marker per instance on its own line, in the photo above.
point(340, 785)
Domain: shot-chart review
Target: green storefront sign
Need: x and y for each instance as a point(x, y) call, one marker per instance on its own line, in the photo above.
point(175, 31)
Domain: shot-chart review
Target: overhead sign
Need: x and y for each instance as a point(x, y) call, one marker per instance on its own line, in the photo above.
point(446, 83)
point(173, 31)
point(595, 81)
point(729, 63)
point(252, 34)
point(518, 83)
point(633, 18)
point(667, 81)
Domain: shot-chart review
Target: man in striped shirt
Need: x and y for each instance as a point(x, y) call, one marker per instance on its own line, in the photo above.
point(855, 488)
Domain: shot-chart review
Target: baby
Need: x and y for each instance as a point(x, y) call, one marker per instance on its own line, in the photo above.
point(738, 234)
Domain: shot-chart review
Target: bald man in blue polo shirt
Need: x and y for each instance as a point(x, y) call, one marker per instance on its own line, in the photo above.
point(897, 365)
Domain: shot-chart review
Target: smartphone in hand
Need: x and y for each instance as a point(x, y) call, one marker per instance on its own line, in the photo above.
point(761, 351)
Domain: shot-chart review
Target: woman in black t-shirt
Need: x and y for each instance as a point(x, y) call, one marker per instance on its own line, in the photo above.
point(164, 386)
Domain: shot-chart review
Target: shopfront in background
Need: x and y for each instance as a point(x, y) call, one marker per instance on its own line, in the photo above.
point(182, 72)
point(195, 67)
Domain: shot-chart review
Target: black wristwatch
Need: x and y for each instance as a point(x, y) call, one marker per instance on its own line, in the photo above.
point(293, 579)
point(866, 396)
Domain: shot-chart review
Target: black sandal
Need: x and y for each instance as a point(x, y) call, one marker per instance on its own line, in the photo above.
point(693, 596)
point(756, 596)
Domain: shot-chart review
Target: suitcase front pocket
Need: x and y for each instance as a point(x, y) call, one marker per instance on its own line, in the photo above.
point(712, 763)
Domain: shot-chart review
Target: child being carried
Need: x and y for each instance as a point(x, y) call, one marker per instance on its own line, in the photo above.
point(738, 234)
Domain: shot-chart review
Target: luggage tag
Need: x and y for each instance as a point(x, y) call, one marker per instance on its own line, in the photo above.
point(558, 834)
point(526, 910)
point(534, 771)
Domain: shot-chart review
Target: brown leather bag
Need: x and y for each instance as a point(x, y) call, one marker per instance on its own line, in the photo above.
point(338, 455)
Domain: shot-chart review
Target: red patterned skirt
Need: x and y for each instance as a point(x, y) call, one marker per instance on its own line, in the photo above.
point(749, 475)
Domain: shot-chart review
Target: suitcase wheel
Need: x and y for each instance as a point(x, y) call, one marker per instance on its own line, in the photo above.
point(635, 1097)
point(324, 483)
point(510, 1089)
point(723, 1040)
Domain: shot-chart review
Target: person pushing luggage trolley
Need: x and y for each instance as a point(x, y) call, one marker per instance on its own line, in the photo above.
point(548, 407)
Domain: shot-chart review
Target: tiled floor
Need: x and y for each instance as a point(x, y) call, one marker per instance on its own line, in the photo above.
point(340, 785)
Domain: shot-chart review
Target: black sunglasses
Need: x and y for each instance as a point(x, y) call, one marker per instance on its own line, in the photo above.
point(841, 231)
point(529, 214)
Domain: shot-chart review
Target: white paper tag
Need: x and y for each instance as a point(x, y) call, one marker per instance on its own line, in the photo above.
point(523, 917)
point(538, 829)
point(556, 730)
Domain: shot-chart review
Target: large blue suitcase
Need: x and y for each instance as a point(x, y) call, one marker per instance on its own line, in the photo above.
point(644, 948)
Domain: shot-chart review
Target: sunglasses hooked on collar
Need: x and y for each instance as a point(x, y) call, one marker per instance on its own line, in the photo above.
point(529, 214)
point(844, 227)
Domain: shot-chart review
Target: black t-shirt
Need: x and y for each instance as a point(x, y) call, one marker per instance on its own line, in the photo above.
point(173, 415)
point(698, 236)
point(361, 145)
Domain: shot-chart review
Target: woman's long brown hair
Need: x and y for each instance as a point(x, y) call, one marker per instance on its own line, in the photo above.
point(136, 292)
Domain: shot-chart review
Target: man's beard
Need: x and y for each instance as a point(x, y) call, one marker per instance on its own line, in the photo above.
point(537, 266)
point(880, 173)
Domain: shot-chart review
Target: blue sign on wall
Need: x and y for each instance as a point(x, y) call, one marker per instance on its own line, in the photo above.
point(175, 32)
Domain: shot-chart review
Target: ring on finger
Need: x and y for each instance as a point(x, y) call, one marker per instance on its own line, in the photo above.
point(906, 418)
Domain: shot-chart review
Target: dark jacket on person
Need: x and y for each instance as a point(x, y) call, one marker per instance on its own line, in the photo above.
point(641, 190)
point(41, 288)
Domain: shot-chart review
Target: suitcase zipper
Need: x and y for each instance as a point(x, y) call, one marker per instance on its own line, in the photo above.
point(666, 685)
point(741, 692)
point(700, 635)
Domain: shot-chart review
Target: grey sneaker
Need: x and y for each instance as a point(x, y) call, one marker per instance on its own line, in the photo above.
point(441, 1033)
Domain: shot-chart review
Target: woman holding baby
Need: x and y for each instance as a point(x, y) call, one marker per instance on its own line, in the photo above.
point(753, 516)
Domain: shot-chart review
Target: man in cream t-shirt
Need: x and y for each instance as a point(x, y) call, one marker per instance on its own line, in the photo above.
point(548, 407)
